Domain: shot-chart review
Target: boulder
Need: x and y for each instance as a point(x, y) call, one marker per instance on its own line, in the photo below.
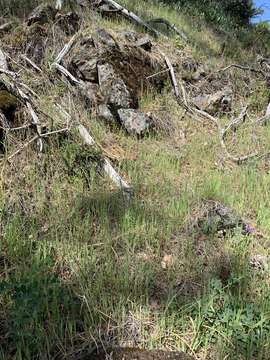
point(42, 15)
point(134, 121)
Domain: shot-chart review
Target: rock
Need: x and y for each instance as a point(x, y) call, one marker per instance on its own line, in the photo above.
point(106, 74)
point(69, 23)
point(145, 43)
point(139, 354)
point(105, 114)
point(131, 36)
point(217, 217)
point(134, 121)
point(42, 14)
point(101, 35)
point(221, 101)
point(113, 88)
point(90, 95)
point(83, 69)
point(119, 95)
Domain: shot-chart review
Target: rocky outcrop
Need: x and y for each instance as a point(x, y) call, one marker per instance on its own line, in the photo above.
point(113, 74)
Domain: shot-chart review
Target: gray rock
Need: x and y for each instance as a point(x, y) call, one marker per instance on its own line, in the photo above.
point(119, 95)
point(103, 36)
point(134, 121)
point(218, 217)
point(106, 74)
point(145, 43)
point(105, 114)
point(114, 89)
point(221, 101)
point(42, 14)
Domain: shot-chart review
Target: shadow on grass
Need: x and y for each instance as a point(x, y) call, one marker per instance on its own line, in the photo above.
point(48, 317)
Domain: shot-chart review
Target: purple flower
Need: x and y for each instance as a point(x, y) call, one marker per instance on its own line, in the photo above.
point(249, 229)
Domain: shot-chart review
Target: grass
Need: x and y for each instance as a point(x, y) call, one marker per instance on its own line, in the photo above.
point(80, 264)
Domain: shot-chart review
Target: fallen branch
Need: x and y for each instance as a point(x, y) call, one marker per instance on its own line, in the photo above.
point(236, 122)
point(65, 72)
point(169, 25)
point(172, 73)
point(130, 15)
point(30, 62)
point(66, 49)
point(242, 67)
point(107, 166)
point(3, 61)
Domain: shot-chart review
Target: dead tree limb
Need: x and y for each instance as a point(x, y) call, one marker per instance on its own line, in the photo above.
point(10, 81)
point(235, 122)
point(172, 73)
point(169, 25)
point(107, 166)
point(243, 67)
point(130, 15)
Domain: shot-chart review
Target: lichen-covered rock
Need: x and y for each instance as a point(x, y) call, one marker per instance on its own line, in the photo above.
point(103, 36)
point(221, 101)
point(90, 95)
point(105, 114)
point(42, 14)
point(216, 217)
point(134, 121)
point(113, 88)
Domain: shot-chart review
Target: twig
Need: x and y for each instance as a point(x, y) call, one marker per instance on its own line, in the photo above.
point(158, 73)
point(23, 147)
point(236, 122)
point(29, 61)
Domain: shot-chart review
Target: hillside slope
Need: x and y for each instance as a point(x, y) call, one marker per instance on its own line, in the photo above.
point(132, 216)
